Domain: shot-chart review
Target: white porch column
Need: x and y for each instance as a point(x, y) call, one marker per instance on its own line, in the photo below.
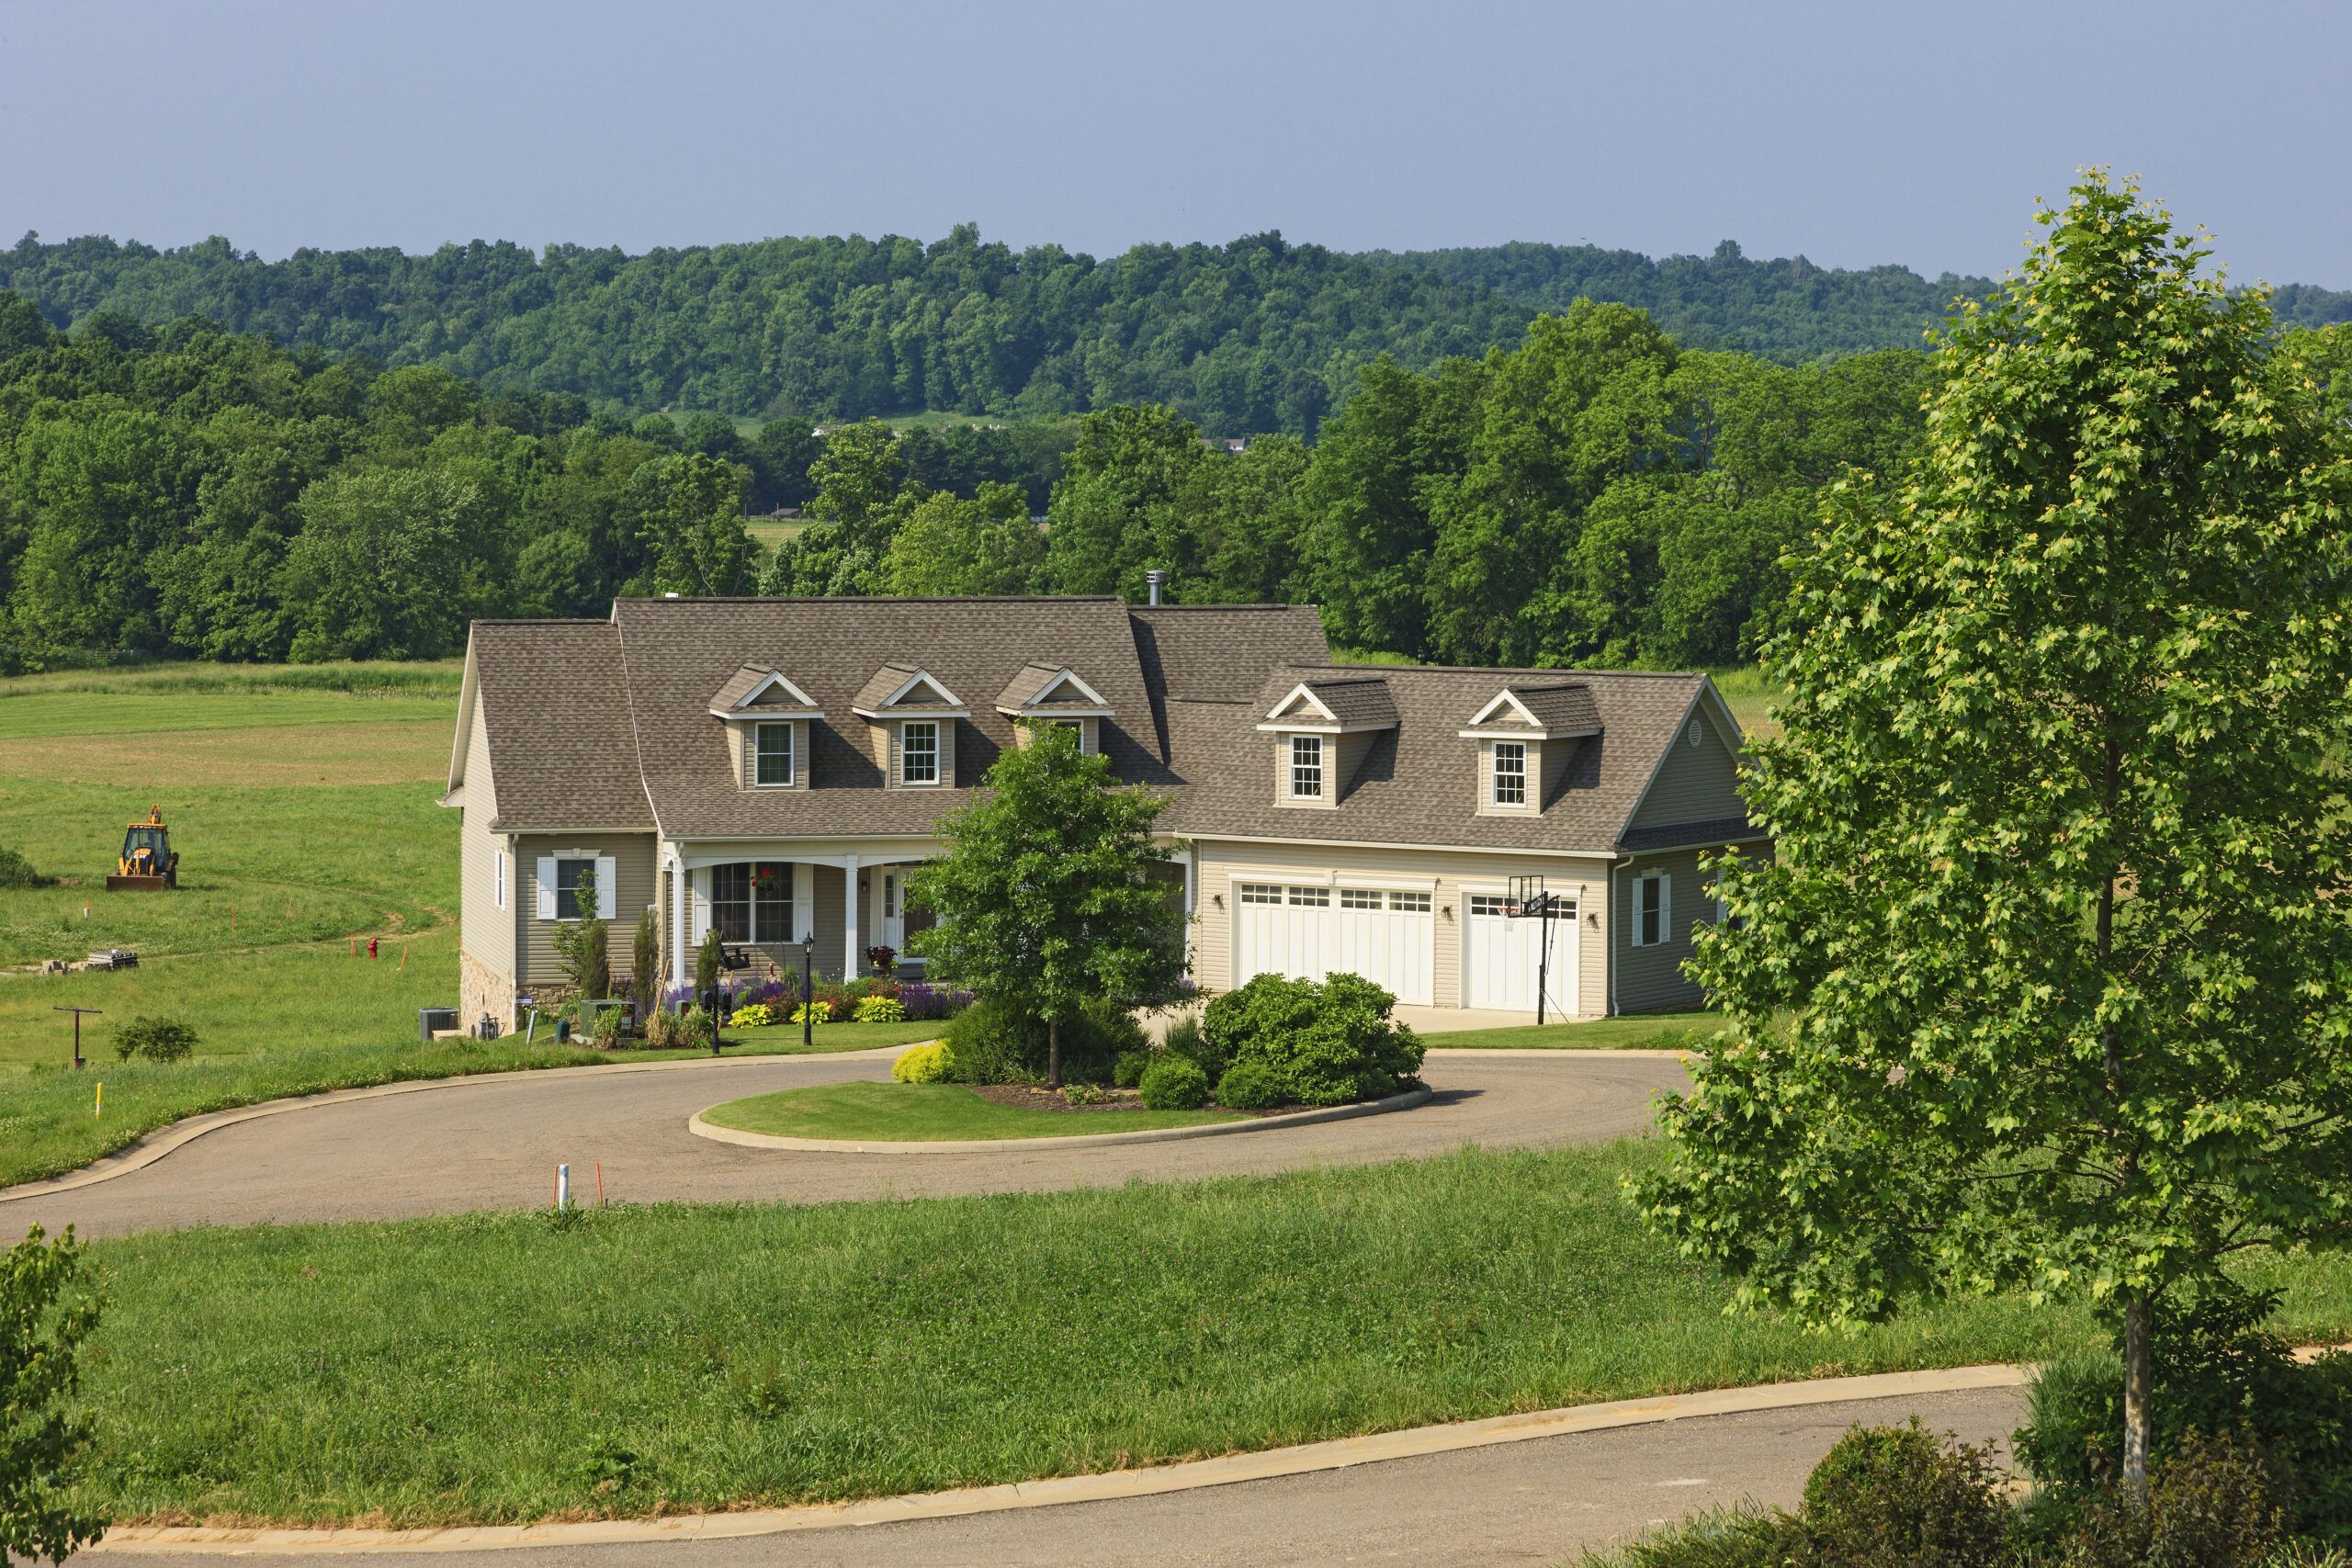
point(678, 921)
point(853, 949)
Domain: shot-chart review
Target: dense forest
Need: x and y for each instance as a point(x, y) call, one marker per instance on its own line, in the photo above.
point(1598, 494)
point(1255, 336)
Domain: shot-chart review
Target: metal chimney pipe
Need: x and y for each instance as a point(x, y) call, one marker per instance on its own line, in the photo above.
point(1156, 579)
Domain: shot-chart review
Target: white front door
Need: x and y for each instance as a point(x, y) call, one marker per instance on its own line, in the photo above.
point(1386, 935)
point(890, 909)
point(1501, 957)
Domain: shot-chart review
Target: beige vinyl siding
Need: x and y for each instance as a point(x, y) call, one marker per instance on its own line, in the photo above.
point(633, 877)
point(485, 931)
point(1221, 864)
point(1695, 784)
point(1650, 979)
point(1559, 755)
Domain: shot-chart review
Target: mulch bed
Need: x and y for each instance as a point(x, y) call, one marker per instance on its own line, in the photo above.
point(1030, 1096)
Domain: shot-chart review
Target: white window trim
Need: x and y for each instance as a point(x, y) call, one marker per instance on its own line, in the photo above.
point(1495, 776)
point(1664, 883)
point(608, 873)
point(791, 753)
point(1320, 765)
point(906, 728)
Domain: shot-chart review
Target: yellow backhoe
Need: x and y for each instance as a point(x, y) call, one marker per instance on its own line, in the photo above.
point(147, 863)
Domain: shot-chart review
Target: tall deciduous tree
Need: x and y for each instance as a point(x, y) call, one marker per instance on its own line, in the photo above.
point(1048, 895)
point(2045, 986)
point(694, 525)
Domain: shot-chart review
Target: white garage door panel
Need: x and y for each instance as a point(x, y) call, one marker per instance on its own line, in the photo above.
point(1502, 956)
point(1304, 934)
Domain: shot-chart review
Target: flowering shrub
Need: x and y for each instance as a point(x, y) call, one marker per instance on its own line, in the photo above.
point(924, 1001)
point(820, 1011)
point(924, 1063)
point(754, 1015)
point(880, 1010)
point(780, 994)
point(884, 958)
point(677, 995)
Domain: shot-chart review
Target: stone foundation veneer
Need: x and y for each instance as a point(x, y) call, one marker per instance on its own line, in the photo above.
point(482, 990)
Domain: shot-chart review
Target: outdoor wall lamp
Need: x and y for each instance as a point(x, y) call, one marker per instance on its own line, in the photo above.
point(1218, 899)
point(1446, 910)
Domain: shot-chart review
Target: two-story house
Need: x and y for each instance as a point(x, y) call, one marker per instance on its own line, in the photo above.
point(775, 768)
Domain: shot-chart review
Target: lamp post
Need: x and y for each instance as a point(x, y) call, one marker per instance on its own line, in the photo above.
point(808, 989)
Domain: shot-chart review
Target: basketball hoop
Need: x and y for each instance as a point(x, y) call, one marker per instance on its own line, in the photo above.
point(1528, 900)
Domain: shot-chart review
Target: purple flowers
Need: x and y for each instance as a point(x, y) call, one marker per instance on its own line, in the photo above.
point(925, 1000)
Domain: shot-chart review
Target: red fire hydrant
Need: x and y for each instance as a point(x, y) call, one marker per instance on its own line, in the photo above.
point(371, 947)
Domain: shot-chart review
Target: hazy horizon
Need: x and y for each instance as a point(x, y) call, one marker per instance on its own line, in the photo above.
point(1854, 137)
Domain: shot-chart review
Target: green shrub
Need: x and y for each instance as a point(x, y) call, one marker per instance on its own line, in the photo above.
point(991, 1045)
point(1886, 1495)
point(605, 1033)
point(155, 1040)
point(2217, 1373)
point(1186, 1039)
point(1330, 1043)
point(754, 1015)
point(1730, 1537)
point(2213, 1503)
point(813, 1013)
point(1085, 1094)
point(879, 1010)
point(16, 871)
point(1175, 1083)
point(1250, 1085)
point(923, 1064)
point(1128, 1070)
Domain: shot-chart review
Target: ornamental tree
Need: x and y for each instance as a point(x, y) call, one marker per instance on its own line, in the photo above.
point(2043, 987)
point(1046, 895)
point(43, 1322)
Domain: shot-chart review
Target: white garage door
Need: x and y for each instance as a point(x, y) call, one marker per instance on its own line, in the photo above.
point(1386, 935)
point(1501, 957)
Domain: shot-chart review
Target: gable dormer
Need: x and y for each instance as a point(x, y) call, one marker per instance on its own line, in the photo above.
point(767, 719)
point(910, 721)
point(1043, 694)
point(1323, 730)
point(1527, 734)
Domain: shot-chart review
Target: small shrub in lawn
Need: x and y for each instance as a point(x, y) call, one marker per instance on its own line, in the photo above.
point(924, 1064)
point(1886, 1495)
point(1250, 1085)
point(605, 1033)
point(754, 1015)
point(155, 1040)
point(1128, 1070)
point(1175, 1083)
point(991, 1045)
point(1729, 1538)
point(16, 871)
point(814, 1012)
point(880, 1010)
point(1331, 1042)
point(1186, 1039)
point(1085, 1094)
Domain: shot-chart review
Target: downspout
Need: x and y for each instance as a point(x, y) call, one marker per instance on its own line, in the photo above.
point(1620, 863)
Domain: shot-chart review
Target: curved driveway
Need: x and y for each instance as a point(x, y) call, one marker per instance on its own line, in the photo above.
point(493, 1143)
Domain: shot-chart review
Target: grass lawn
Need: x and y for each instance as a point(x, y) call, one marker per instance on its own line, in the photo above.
point(509, 1367)
point(928, 1112)
point(1644, 1032)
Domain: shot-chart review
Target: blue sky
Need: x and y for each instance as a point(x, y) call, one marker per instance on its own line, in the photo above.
point(1853, 134)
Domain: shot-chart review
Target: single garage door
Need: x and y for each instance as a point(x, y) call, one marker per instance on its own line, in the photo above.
point(1386, 935)
point(1501, 957)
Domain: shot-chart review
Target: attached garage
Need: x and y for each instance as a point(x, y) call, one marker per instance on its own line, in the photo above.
point(1503, 955)
point(1308, 930)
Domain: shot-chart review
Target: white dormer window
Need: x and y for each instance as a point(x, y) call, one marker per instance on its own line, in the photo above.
point(919, 752)
point(1077, 733)
point(1307, 767)
point(1511, 773)
point(774, 763)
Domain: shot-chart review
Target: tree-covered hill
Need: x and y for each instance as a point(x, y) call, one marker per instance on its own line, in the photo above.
point(1257, 335)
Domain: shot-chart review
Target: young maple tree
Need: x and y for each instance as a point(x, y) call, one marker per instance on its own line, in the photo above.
point(2044, 986)
point(1046, 895)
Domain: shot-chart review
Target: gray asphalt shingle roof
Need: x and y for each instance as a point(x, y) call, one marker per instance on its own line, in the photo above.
point(556, 705)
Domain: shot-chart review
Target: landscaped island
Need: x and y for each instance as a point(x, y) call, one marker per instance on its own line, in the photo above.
point(913, 1113)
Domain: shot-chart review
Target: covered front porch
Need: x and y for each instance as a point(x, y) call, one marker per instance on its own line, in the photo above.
point(776, 901)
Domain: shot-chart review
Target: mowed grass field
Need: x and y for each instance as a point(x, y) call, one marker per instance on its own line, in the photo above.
point(639, 1360)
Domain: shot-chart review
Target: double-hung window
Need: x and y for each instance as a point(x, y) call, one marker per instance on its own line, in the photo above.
point(731, 901)
point(1653, 896)
point(919, 752)
point(1307, 767)
point(1511, 773)
point(569, 876)
point(773, 743)
point(752, 901)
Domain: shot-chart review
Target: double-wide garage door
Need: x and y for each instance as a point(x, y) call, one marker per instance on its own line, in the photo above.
point(1386, 934)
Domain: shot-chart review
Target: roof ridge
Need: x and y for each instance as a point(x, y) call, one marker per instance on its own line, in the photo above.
point(1503, 670)
point(871, 599)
